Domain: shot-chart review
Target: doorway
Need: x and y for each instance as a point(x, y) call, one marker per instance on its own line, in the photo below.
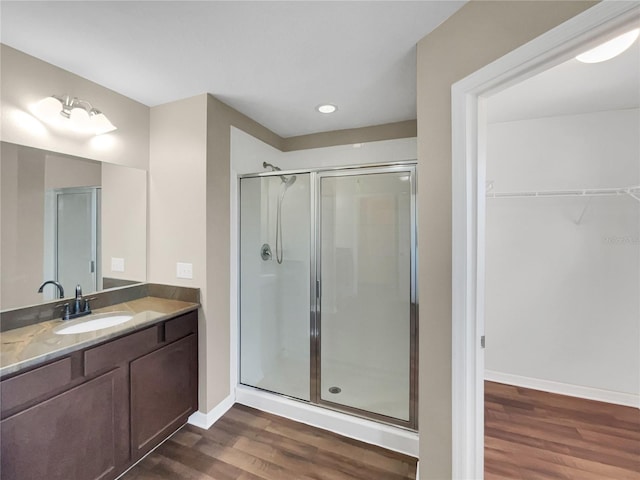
point(72, 237)
point(562, 270)
point(469, 98)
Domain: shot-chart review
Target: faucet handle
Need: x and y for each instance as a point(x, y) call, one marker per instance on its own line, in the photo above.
point(66, 312)
point(87, 307)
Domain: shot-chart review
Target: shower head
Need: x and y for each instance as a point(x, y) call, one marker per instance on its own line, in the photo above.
point(287, 181)
point(272, 167)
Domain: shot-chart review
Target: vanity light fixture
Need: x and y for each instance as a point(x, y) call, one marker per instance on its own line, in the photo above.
point(326, 108)
point(609, 49)
point(73, 113)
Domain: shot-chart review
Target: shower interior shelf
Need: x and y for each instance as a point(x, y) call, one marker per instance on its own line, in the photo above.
point(633, 191)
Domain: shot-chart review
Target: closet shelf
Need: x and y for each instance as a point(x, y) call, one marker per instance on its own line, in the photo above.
point(633, 191)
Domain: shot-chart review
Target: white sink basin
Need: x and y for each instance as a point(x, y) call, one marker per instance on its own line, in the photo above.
point(94, 322)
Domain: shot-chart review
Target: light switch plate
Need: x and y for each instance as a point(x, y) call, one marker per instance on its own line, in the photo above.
point(184, 270)
point(117, 264)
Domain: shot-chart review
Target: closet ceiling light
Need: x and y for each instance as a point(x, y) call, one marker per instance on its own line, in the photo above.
point(326, 108)
point(609, 49)
point(73, 114)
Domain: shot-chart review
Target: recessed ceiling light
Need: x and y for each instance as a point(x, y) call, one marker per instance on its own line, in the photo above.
point(610, 49)
point(326, 108)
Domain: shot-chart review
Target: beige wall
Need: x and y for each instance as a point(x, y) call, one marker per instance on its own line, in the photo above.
point(177, 203)
point(220, 118)
point(476, 35)
point(66, 172)
point(388, 131)
point(189, 220)
point(25, 80)
point(22, 205)
point(123, 221)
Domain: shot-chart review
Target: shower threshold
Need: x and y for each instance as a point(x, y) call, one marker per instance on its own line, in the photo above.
point(392, 437)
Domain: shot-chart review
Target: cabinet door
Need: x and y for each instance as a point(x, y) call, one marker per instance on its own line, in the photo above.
point(77, 435)
point(163, 393)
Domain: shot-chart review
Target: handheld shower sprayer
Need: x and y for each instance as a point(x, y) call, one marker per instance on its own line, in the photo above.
point(287, 182)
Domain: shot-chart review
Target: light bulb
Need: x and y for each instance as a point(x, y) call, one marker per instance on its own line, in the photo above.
point(79, 120)
point(609, 49)
point(326, 108)
point(100, 124)
point(48, 109)
point(72, 114)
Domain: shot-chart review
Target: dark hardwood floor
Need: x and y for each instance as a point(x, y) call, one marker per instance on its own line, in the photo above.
point(531, 435)
point(247, 444)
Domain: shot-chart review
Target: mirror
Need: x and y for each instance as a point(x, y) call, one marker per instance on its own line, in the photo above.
point(69, 219)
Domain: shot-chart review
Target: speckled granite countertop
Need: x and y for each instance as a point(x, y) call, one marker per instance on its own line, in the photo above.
point(27, 346)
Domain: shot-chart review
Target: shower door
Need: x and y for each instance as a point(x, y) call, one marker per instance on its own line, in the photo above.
point(275, 277)
point(327, 288)
point(366, 296)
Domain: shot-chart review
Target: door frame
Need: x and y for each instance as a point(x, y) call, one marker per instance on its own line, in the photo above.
point(468, 104)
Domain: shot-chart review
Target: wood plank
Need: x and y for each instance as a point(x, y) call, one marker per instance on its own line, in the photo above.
point(536, 454)
point(531, 434)
point(246, 444)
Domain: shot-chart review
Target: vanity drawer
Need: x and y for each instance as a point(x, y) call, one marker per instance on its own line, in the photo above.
point(181, 326)
point(120, 350)
point(35, 383)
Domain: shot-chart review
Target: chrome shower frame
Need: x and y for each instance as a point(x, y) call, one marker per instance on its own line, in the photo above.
point(315, 315)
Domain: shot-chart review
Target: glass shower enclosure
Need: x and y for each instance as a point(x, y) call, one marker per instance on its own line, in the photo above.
point(327, 288)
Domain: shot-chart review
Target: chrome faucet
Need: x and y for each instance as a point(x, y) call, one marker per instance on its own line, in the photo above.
point(78, 310)
point(57, 284)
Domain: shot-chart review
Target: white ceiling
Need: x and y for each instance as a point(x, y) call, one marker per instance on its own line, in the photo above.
point(572, 88)
point(273, 61)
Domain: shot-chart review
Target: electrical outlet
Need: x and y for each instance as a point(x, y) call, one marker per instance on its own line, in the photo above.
point(184, 270)
point(117, 264)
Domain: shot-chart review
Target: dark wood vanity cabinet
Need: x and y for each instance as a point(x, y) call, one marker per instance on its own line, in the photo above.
point(80, 433)
point(164, 393)
point(94, 413)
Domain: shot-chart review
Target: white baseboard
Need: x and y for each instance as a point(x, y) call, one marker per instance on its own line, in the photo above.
point(608, 396)
point(205, 420)
point(386, 436)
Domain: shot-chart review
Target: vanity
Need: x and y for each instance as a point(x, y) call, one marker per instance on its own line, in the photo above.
point(88, 405)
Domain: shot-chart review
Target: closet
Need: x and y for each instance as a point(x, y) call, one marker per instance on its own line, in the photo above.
point(563, 254)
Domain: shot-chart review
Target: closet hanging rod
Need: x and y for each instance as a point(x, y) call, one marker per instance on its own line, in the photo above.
point(633, 191)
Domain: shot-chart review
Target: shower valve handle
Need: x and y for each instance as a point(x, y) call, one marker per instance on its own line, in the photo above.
point(265, 252)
